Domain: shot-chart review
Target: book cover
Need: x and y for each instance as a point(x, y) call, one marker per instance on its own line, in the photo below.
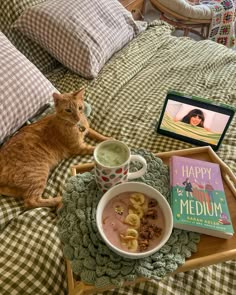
point(198, 199)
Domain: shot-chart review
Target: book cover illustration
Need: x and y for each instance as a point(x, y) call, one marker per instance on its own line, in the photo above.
point(198, 199)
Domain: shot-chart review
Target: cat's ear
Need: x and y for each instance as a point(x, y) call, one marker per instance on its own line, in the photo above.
point(56, 97)
point(79, 94)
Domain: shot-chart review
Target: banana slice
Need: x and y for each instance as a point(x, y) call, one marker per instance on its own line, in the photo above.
point(127, 238)
point(132, 245)
point(133, 220)
point(136, 209)
point(130, 239)
point(137, 198)
point(132, 233)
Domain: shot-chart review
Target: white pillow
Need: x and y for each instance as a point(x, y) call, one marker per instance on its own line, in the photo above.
point(82, 34)
point(23, 89)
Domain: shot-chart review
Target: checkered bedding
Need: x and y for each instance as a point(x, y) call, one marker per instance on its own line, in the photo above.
point(70, 25)
point(126, 101)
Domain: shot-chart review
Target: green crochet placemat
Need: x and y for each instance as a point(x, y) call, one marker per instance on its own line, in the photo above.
point(90, 258)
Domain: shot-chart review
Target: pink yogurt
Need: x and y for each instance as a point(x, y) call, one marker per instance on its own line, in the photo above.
point(113, 221)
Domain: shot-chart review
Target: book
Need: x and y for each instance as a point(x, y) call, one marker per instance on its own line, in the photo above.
point(198, 200)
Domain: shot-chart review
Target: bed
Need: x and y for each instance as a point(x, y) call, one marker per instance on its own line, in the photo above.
point(126, 98)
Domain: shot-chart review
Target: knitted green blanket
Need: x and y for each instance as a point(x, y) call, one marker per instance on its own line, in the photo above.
point(95, 263)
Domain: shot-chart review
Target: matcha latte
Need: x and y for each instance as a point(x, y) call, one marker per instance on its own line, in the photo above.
point(112, 154)
point(112, 158)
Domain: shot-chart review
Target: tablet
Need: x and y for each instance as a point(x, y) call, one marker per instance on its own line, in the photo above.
point(195, 120)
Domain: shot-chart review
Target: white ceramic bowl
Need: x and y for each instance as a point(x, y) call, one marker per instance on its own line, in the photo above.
point(149, 191)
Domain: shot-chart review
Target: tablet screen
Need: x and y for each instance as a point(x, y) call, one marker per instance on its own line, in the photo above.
point(194, 120)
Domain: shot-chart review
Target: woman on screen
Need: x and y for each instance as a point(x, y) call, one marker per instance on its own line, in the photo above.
point(195, 118)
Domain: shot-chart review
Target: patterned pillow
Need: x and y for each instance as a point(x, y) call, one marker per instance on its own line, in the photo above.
point(82, 35)
point(23, 89)
point(9, 12)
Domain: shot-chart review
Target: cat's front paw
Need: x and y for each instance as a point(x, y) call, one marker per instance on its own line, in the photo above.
point(91, 149)
point(88, 150)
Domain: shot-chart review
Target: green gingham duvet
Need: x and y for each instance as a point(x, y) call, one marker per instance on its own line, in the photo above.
point(126, 101)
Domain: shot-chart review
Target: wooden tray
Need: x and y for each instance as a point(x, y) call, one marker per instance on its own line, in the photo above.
point(211, 250)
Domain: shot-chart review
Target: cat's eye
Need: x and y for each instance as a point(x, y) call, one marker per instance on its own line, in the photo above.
point(68, 110)
point(80, 108)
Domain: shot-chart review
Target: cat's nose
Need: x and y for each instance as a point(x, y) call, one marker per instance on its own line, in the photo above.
point(77, 117)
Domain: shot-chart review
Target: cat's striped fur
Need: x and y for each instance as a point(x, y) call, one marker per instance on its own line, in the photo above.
point(27, 158)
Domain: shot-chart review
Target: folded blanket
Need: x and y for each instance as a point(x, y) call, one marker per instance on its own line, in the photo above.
point(222, 29)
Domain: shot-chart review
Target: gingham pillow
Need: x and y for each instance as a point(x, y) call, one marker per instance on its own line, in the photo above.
point(11, 10)
point(23, 89)
point(83, 34)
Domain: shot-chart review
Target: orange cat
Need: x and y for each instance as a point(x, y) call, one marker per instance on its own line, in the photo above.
point(27, 158)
